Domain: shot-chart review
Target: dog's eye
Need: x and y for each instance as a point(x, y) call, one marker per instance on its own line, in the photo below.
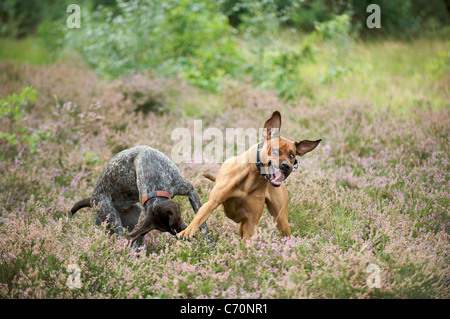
point(292, 156)
point(275, 152)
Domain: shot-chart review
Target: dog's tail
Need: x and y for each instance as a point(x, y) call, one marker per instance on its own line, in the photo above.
point(82, 203)
point(210, 177)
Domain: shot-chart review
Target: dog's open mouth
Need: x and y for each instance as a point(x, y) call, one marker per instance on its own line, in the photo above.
point(275, 176)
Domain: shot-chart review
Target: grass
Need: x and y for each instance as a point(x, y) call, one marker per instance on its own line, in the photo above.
point(25, 50)
point(391, 74)
point(375, 191)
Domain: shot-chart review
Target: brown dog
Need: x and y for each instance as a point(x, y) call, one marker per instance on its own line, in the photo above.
point(248, 181)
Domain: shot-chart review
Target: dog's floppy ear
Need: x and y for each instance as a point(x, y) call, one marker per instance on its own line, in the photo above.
point(306, 146)
point(272, 126)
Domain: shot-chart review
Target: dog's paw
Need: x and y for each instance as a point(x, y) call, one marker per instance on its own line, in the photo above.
point(188, 233)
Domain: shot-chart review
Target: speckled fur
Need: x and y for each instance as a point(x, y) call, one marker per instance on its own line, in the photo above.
point(129, 176)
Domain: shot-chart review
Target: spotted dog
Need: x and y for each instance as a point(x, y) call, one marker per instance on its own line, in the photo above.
point(135, 191)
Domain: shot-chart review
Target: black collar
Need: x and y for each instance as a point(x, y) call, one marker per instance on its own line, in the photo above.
point(259, 164)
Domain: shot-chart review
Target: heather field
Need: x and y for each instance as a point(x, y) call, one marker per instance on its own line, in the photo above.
point(369, 208)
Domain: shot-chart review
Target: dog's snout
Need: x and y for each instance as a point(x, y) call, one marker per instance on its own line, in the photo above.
point(178, 225)
point(285, 166)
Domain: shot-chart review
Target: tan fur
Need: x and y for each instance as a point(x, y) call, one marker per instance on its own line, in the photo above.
point(242, 190)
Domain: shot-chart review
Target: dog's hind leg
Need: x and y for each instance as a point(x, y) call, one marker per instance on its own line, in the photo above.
point(131, 215)
point(108, 212)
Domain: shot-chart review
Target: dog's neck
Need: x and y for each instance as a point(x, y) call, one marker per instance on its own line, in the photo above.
point(253, 175)
point(259, 164)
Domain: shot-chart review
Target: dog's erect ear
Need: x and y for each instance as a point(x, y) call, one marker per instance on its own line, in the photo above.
point(306, 146)
point(272, 126)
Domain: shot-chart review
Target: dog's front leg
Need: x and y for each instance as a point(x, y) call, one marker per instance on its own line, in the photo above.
point(202, 215)
point(223, 190)
point(277, 201)
point(188, 190)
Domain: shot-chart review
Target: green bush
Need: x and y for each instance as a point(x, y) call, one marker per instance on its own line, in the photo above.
point(195, 39)
point(11, 110)
point(172, 37)
point(20, 18)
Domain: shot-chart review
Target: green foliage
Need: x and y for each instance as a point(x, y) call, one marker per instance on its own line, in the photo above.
point(400, 18)
point(339, 36)
point(196, 40)
point(260, 27)
point(175, 37)
point(440, 65)
point(12, 110)
point(337, 30)
point(90, 158)
point(20, 18)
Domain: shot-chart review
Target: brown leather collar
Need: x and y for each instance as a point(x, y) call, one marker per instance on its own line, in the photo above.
point(155, 194)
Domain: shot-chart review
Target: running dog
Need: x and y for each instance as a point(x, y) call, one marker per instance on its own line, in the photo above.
point(248, 181)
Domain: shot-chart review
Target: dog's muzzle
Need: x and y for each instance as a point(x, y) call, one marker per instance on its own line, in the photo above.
point(275, 175)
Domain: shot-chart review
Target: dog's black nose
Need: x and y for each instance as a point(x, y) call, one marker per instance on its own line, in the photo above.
point(285, 166)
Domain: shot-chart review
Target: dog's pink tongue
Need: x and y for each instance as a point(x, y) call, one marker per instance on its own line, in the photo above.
point(279, 177)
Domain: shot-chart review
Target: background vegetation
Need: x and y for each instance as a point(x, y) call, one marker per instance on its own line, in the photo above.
point(374, 192)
